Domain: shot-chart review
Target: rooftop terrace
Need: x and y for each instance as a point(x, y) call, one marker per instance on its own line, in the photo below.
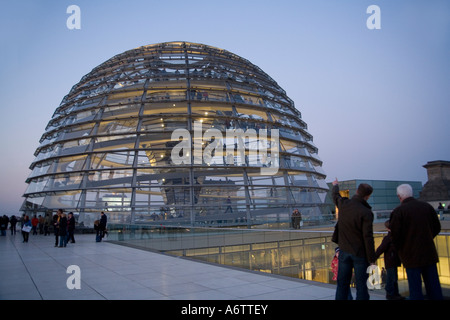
point(37, 271)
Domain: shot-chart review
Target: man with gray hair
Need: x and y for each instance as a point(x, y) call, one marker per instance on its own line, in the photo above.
point(414, 224)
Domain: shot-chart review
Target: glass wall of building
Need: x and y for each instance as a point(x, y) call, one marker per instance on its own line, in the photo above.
point(177, 132)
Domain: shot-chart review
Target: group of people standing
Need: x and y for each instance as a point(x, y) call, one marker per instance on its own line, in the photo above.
point(64, 228)
point(4, 221)
point(411, 229)
point(27, 225)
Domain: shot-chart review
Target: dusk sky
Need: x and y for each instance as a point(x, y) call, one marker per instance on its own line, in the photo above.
point(377, 102)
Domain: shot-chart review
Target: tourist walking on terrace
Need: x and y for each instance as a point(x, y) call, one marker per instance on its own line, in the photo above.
point(414, 224)
point(354, 235)
point(26, 228)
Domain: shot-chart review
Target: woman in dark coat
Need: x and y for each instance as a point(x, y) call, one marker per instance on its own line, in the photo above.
point(71, 228)
point(27, 223)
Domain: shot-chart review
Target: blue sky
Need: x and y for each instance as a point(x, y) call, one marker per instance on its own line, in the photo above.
point(377, 102)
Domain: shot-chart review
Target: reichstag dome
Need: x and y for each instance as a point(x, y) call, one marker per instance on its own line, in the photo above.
point(180, 133)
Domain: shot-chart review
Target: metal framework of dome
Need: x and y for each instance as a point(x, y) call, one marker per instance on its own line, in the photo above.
point(109, 145)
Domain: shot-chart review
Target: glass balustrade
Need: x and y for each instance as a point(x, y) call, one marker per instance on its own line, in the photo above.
point(299, 254)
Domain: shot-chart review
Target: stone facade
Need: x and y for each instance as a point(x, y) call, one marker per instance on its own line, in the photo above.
point(437, 188)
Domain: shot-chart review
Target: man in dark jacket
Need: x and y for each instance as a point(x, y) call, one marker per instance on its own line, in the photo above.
point(354, 235)
point(414, 224)
point(102, 226)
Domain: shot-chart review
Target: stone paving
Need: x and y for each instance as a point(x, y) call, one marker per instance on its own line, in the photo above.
point(39, 271)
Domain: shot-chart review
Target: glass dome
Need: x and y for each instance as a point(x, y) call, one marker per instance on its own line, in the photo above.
point(133, 138)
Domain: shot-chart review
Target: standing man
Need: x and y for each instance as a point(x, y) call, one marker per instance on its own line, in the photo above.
point(414, 224)
point(354, 235)
point(102, 226)
point(70, 227)
point(13, 222)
